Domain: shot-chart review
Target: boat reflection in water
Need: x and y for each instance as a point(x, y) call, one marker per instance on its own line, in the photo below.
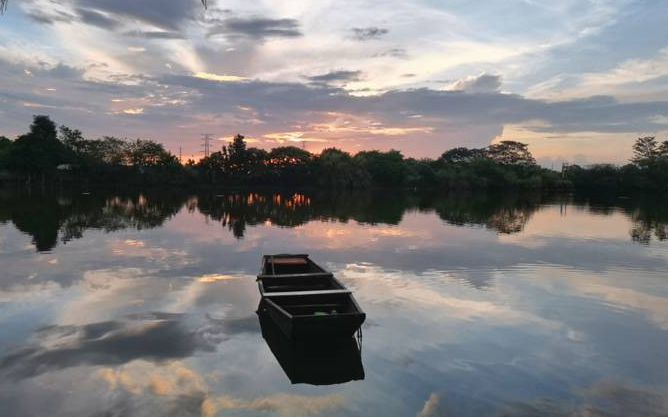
point(313, 361)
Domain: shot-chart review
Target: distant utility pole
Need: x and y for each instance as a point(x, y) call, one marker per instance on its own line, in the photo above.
point(180, 155)
point(206, 143)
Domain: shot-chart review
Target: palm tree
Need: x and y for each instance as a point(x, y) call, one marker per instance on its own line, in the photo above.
point(3, 5)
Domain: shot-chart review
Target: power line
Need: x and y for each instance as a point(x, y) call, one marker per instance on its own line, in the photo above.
point(206, 143)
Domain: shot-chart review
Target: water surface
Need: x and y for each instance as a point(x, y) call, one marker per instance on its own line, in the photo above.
point(143, 304)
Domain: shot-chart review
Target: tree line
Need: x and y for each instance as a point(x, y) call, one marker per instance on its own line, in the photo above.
point(647, 170)
point(47, 153)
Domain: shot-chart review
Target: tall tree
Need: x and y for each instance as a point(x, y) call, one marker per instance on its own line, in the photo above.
point(146, 153)
point(256, 162)
point(236, 157)
point(386, 168)
point(289, 164)
point(460, 155)
point(39, 151)
point(645, 151)
point(238, 146)
point(73, 139)
point(108, 150)
point(338, 169)
point(213, 166)
point(510, 152)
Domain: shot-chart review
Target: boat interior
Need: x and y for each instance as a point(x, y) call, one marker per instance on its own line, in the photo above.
point(317, 305)
point(289, 264)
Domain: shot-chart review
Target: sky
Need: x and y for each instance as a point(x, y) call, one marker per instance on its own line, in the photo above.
point(578, 80)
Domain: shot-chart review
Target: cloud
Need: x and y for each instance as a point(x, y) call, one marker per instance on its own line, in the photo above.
point(153, 337)
point(187, 392)
point(287, 405)
point(138, 377)
point(168, 15)
point(633, 77)
point(50, 17)
point(218, 78)
point(213, 100)
point(483, 83)
point(95, 18)
point(64, 71)
point(394, 53)
point(341, 75)
point(154, 34)
point(430, 406)
point(110, 14)
point(369, 33)
point(112, 342)
point(257, 28)
point(134, 111)
point(605, 398)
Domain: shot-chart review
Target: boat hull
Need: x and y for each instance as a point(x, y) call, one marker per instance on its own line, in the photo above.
point(312, 325)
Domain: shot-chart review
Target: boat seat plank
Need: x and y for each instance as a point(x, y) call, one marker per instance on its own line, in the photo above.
point(298, 275)
point(314, 292)
point(288, 261)
point(286, 288)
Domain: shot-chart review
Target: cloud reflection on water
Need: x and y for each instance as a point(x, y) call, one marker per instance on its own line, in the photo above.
point(477, 305)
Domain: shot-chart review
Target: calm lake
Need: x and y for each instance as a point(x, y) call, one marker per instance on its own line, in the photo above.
point(143, 304)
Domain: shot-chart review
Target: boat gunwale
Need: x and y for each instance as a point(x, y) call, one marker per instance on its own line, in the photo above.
point(304, 275)
point(306, 293)
point(286, 255)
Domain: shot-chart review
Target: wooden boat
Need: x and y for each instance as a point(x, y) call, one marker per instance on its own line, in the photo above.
point(305, 300)
point(313, 363)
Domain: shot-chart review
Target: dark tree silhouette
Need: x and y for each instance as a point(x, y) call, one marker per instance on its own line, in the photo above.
point(337, 169)
point(5, 147)
point(38, 152)
point(146, 153)
point(459, 155)
point(645, 151)
point(508, 164)
point(385, 168)
point(509, 152)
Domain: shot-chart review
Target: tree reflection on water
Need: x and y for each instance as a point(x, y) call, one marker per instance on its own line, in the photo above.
point(50, 218)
